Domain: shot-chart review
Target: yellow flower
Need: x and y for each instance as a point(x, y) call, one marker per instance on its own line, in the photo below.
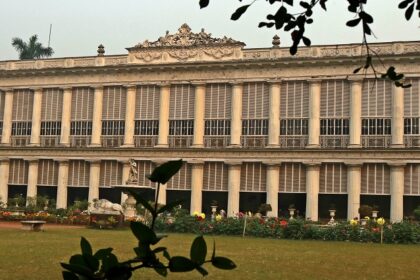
point(195, 213)
point(367, 218)
point(203, 216)
point(380, 221)
point(353, 222)
point(218, 217)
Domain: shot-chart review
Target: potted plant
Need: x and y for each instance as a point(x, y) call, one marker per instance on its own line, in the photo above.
point(213, 207)
point(292, 210)
point(264, 208)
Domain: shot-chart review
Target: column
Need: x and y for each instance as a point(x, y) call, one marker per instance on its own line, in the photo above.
point(274, 115)
point(312, 190)
point(199, 108)
point(355, 113)
point(95, 168)
point(4, 179)
point(125, 176)
point(273, 176)
point(97, 117)
point(36, 118)
point(354, 181)
point(236, 114)
point(314, 113)
point(164, 99)
point(63, 175)
point(66, 117)
point(397, 192)
point(234, 185)
point(130, 111)
point(7, 118)
point(196, 186)
point(32, 178)
point(397, 124)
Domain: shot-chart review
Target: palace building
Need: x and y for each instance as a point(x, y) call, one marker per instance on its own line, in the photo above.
point(253, 126)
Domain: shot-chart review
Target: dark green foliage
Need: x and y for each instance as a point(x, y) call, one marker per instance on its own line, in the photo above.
point(31, 50)
point(105, 265)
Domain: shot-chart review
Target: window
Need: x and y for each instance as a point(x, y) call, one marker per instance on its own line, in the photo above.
point(181, 127)
point(21, 128)
point(113, 127)
point(81, 128)
point(146, 127)
point(255, 127)
point(335, 126)
point(51, 128)
point(217, 127)
point(376, 126)
point(294, 127)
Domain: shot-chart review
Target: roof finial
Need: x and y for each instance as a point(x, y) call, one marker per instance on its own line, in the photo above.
point(276, 41)
point(101, 50)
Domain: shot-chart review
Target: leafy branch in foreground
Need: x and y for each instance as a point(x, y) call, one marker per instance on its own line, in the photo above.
point(103, 264)
point(295, 24)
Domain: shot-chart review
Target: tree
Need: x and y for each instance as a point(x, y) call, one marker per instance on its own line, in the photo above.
point(31, 49)
point(294, 22)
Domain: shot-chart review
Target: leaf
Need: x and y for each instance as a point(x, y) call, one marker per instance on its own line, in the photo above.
point(85, 245)
point(159, 249)
point(180, 264)
point(163, 173)
point(353, 22)
point(409, 12)
point(267, 24)
point(204, 3)
point(109, 262)
point(406, 86)
point(91, 262)
point(102, 253)
point(355, 71)
point(322, 3)
point(161, 269)
point(289, 2)
point(404, 4)
point(202, 271)
point(366, 17)
point(366, 29)
point(77, 259)
point(166, 255)
point(238, 13)
point(141, 200)
point(223, 263)
point(304, 5)
point(119, 272)
point(169, 206)
point(143, 233)
point(293, 49)
point(67, 275)
point(306, 41)
point(78, 269)
point(198, 250)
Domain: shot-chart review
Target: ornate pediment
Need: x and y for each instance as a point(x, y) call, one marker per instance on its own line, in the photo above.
point(185, 45)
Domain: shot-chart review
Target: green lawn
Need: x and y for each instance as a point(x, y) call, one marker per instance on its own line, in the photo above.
point(36, 255)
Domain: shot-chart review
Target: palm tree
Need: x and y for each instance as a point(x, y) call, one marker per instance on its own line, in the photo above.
point(31, 50)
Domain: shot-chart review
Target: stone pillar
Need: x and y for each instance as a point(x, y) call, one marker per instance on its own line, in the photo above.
point(196, 186)
point(236, 115)
point(274, 115)
point(234, 186)
point(199, 108)
point(130, 111)
point(36, 118)
point(164, 99)
point(397, 192)
point(94, 175)
point(97, 117)
point(7, 118)
point(314, 113)
point(66, 117)
point(63, 175)
point(4, 179)
point(397, 124)
point(312, 190)
point(354, 181)
point(355, 114)
point(273, 176)
point(32, 178)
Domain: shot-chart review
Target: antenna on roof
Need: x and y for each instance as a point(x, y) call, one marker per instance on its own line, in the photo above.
point(49, 36)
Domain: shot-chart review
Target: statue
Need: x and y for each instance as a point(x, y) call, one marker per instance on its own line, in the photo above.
point(106, 206)
point(133, 177)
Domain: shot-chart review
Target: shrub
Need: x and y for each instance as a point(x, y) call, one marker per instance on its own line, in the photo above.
point(417, 213)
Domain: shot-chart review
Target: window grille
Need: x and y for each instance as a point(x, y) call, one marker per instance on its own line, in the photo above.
point(18, 172)
point(145, 168)
point(181, 102)
point(255, 127)
point(375, 179)
point(114, 103)
point(113, 127)
point(376, 126)
point(147, 102)
point(412, 98)
point(215, 176)
point(294, 101)
point(376, 98)
point(21, 128)
point(182, 179)
point(110, 174)
point(146, 127)
point(79, 171)
point(181, 127)
point(335, 126)
point(333, 178)
point(218, 109)
point(298, 127)
point(47, 172)
point(292, 178)
point(217, 127)
point(255, 108)
point(81, 128)
point(253, 177)
point(82, 104)
point(2, 97)
point(51, 128)
point(52, 102)
point(412, 179)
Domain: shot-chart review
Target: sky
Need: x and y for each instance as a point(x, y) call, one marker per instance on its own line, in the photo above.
point(79, 26)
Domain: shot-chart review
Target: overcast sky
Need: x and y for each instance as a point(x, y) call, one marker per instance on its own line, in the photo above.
point(79, 26)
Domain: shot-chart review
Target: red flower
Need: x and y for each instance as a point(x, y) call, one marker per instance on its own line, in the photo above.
point(283, 223)
point(375, 229)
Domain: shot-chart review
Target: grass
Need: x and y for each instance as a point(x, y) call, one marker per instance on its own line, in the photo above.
point(36, 255)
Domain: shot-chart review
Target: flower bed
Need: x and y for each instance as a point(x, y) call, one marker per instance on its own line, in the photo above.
point(73, 218)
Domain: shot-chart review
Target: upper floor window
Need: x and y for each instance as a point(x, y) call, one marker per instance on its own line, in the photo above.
point(294, 127)
point(376, 126)
point(335, 126)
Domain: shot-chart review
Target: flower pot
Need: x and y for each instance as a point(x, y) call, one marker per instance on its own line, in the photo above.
point(375, 214)
point(213, 212)
point(332, 215)
point(291, 212)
